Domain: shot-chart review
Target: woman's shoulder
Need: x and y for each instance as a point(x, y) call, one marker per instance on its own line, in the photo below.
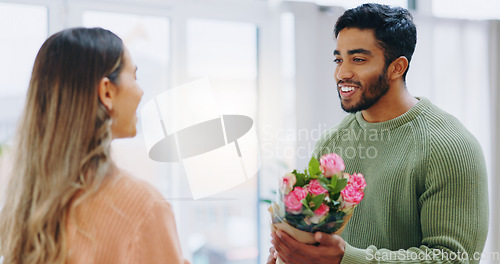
point(125, 198)
point(114, 217)
point(129, 188)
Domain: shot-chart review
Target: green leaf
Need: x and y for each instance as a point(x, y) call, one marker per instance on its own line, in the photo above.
point(333, 182)
point(309, 212)
point(308, 198)
point(305, 203)
point(266, 201)
point(314, 166)
point(327, 187)
point(341, 183)
point(318, 200)
point(301, 179)
point(325, 183)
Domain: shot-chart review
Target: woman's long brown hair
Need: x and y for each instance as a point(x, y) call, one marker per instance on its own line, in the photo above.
point(63, 143)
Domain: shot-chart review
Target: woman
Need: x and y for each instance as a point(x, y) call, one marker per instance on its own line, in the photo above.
point(67, 202)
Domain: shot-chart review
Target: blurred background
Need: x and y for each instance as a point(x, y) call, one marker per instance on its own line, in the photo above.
point(270, 60)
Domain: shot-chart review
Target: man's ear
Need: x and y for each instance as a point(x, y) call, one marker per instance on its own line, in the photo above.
point(398, 68)
point(107, 92)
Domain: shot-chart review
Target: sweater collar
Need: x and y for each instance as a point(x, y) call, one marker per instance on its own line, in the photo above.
point(410, 115)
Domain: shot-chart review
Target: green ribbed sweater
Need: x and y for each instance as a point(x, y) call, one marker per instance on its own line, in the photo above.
point(426, 187)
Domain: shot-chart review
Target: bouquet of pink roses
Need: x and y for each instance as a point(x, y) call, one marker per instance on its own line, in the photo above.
point(321, 198)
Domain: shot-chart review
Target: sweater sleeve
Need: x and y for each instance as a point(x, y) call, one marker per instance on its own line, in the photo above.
point(156, 239)
point(453, 210)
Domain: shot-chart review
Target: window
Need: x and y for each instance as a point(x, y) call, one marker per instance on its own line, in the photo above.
point(226, 53)
point(479, 9)
point(354, 3)
point(24, 29)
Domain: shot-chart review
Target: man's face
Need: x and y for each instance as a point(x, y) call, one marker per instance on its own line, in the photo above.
point(361, 74)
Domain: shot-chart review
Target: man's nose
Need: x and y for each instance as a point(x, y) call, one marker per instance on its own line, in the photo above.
point(344, 72)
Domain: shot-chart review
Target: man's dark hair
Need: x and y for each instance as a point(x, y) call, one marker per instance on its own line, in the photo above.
point(393, 28)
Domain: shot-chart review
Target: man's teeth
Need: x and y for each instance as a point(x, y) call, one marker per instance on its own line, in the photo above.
point(346, 89)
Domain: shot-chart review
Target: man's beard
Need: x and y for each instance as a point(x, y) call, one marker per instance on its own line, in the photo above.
point(371, 93)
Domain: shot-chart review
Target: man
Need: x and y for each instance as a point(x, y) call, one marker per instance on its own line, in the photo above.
point(426, 196)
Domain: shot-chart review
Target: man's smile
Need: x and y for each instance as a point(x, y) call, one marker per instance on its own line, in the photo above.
point(347, 90)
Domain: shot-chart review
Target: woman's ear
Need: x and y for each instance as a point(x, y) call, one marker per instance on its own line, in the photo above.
point(106, 93)
point(398, 68)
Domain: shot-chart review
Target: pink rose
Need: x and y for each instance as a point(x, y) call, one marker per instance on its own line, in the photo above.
point(316, 188)
point(322, 210)
point(319, 214)
point(331, 164)
point(350, 197)
point(351, 194)
point(357, 181)
point(288, 182)
point(293, 201)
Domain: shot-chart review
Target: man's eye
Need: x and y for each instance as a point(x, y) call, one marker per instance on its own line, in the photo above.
point(337, 61)
point(358, 60)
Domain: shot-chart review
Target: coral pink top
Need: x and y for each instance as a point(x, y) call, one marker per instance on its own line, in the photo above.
point(127, 221)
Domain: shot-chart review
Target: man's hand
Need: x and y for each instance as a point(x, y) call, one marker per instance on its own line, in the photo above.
point(330, 249)
point(272, 256)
